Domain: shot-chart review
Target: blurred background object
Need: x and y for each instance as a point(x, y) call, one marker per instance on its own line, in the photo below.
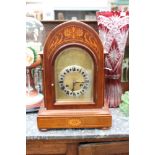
point(34, 47)
point(34, 34)
point(124, 106)
point(113, 31)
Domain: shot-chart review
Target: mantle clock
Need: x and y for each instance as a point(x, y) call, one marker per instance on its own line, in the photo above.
point(73, 79)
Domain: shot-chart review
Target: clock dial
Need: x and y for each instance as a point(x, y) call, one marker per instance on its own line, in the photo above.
point(74, 80)
point(74, 75)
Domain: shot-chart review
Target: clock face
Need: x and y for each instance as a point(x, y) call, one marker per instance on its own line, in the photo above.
point(74, 80)
point(74, 76)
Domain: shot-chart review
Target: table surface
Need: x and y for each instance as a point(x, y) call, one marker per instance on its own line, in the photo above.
point(119, 129)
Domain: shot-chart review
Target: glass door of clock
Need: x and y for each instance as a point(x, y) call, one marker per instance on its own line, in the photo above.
point(74, 76)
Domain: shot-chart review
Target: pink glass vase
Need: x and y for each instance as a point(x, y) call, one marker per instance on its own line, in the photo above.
point(113, 31)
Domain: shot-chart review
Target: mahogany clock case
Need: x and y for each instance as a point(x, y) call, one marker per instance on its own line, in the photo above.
point(75, 114)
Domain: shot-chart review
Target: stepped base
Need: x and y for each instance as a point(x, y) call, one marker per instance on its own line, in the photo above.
point(74, 118)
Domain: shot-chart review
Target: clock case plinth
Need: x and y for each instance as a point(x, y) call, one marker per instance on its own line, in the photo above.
point(74, 118)
point(93, 114)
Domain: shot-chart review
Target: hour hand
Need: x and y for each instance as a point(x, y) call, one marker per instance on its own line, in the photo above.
point(74, 82)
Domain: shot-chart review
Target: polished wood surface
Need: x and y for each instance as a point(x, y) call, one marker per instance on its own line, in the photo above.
point(105, 146)
point(79, 118)
point(109, 148)
point(45, 148)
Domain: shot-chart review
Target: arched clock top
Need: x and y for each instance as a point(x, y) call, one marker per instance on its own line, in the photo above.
point(73, 32)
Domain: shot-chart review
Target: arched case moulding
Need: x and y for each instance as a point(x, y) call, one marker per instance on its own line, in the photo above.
point(73, 79)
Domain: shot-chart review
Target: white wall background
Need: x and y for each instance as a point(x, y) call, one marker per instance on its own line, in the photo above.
point(48, 6)
point(77, 4)
point(70, 4)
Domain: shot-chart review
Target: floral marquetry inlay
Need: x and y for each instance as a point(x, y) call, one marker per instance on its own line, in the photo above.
point(74, 122)
point(74, 34)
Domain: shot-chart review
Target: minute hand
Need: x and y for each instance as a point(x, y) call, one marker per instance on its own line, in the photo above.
point(79, 82)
